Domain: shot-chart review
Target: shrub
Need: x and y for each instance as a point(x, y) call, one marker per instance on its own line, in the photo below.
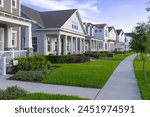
point(31, 75)
point(79, 59)
point(12, 93)
point(87, 53)
point(32, 63)
point(95, 55)
point(59, 59)
point(110, 55)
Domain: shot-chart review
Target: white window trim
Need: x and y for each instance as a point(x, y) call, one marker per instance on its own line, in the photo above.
point(15, 4)
point(2, 3)
point(35, 44)
point(15, 41)
point(49, 44)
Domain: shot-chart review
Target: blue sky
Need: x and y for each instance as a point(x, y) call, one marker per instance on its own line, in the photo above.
point(119, 13)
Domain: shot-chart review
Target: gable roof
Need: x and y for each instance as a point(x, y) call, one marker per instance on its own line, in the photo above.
point(119, 31)
point(100, 25)
point(129, 34)
point(110, 28)
point(49, 19)
point(32, 14)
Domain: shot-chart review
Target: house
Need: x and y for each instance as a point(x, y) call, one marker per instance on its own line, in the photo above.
point(92, 43)
point(10, 27)
point(128, 39)
point(102, 33)
point(120, 43)
point(55, 32)
point(112, 38)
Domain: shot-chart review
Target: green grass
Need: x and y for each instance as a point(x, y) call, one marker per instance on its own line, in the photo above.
point(118, 57)
point(92, 74)
point(42, 96)
point(144, 87)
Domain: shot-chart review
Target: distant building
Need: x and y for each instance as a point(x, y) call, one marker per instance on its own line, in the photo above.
point(102, 33)
point(128, 39)
point(120, 43)
point(92, 42)
point(112, 38)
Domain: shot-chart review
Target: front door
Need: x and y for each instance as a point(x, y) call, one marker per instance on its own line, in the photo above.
point(1, 39)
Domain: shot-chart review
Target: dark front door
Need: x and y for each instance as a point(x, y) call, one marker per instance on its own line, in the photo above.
point(62, 46)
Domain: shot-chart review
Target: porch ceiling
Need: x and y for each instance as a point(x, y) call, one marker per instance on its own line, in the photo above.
point(13, 20)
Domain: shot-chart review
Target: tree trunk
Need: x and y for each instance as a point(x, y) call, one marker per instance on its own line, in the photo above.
point(144, 68)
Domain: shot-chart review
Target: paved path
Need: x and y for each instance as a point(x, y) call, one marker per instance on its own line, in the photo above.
point(51, 89)
point(122, 85)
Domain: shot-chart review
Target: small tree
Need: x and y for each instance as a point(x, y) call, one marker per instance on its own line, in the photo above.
point(140, 42)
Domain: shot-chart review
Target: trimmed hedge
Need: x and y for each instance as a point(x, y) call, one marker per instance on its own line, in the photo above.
point(31, 75)
point(68, 59)
point(58, 59)
point(32, 63)
point(12, 93)
point(79, 59)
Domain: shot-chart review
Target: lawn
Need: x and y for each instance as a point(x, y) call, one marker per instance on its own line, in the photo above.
point(144, 87)
point(92, 74)
point(43, 96)
point(118, 57)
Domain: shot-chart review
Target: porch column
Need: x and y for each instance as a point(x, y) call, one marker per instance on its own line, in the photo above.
point(76, 45)
point(28, 40)
point(83, 45)
point(71, 45)
point(65, 45)
point(59, 45)
point(9, 38)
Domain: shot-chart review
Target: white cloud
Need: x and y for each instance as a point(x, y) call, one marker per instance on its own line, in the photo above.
point(88, 9)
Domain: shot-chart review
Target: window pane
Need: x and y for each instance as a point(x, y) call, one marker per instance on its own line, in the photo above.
point(34, 43)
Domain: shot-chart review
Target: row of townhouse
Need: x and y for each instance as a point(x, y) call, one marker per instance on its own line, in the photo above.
point(55, 32)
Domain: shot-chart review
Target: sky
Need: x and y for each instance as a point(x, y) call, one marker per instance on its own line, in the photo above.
point(122, 14)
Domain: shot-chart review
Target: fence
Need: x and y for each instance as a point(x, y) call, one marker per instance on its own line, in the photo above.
point(10, 55)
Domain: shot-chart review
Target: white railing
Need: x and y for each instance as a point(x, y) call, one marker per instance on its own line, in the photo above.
point(10, 55)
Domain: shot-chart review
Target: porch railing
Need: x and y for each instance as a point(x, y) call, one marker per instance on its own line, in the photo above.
point(10, 55)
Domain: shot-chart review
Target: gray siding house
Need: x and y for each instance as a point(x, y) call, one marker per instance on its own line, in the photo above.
point(93, 42)
point(55, 32)
point(10, 27)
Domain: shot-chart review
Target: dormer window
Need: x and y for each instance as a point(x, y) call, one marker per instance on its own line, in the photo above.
point(1, 3)
point(14, 3)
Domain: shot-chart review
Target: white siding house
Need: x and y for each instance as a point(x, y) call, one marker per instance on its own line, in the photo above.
point(120, 43)
point(102, 33)
point(128, 39)
point(56, 32)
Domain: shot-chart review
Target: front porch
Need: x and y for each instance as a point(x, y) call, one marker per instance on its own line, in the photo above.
point(10, 34)
point(63, 44)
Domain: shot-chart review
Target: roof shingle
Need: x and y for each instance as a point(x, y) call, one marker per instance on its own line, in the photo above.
point(49, 19)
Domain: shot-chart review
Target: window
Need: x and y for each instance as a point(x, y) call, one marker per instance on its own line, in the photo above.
point(100, 30)
point(105, 46)
point(14, 3)
point(74, 24)
point(49, 44)
point(1, 3)
point(106, 33)
point(95, 31)
point(100, 45)
point(14, 38)
point(34, 43)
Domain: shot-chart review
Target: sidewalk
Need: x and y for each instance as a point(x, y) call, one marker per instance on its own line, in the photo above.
point(122, 85)
point(50, 89)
